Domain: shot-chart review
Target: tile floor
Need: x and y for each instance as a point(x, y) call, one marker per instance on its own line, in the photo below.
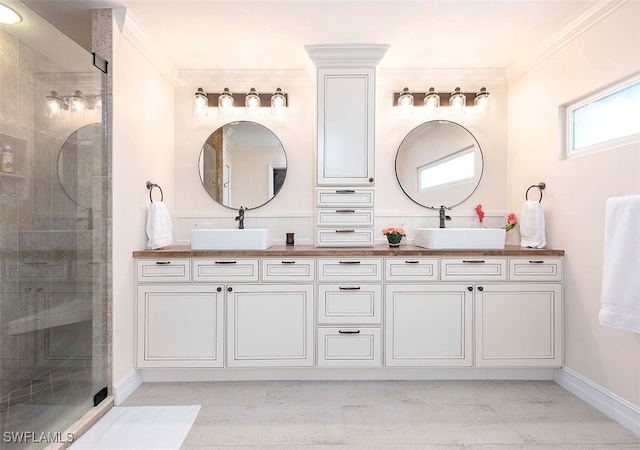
point(391, 415)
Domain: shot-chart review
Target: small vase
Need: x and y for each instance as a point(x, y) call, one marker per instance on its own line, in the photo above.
point(394, 239)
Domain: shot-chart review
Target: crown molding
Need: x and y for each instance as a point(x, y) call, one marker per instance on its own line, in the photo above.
point(134, 32)
point(352, 55)
point(589, 16)
point(486, 77)
point(259, 79)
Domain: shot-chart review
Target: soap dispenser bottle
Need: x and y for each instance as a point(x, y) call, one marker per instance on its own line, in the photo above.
point(7, 159)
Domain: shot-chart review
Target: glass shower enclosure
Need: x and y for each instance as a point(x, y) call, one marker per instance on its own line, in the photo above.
point(53, 234)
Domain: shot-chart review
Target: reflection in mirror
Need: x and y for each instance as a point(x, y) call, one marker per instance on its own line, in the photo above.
point(242, 164)
point(76, 163)
point(439, 163)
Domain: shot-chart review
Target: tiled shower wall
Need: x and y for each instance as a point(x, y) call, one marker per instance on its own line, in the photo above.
point(52, 250)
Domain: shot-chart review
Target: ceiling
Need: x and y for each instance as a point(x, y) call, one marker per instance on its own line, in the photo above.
point(263, 34)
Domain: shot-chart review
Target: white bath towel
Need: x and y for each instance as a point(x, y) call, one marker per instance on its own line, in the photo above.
point(532, 232)
point(159, 229)
point(621, 265)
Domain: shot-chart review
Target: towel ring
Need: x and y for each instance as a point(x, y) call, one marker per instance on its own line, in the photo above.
point(540, 186)
point(150, 186)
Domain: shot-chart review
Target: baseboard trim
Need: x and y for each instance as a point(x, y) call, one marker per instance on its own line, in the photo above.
point(126, 385)
point(257, 374)
point(617, 408)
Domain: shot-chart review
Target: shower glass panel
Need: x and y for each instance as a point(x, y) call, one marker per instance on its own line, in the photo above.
point(53, 234)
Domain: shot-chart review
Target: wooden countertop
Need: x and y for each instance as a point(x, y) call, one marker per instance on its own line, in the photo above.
point(383, 250)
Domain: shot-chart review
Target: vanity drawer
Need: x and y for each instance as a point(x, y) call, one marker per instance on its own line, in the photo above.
point(473, 269)
point(535, 269)
point(338, 197)
point(340, 217)
point(349, 347)
point(283, 269)
point(350, 303)
point(411, 269)
point(350, 270)
point(163, 270)
point(353, 237)
point(224, 270)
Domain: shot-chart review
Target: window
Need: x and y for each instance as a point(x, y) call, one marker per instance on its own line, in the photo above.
point(456, 168)
point(606, 120)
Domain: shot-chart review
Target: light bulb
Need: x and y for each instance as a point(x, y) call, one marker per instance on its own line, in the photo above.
point(225, 103)
point(405, 102)
point(200, 104)
point(278, 103)
point(252, 102)
point(9, 16)
point(431, 101)
point(458, 101)
point(481, 102)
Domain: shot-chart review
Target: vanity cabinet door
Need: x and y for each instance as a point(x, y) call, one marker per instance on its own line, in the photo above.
point(180, 325)
point(346, 126)
point(428, 325)
point(270, 325)
point(518, 324)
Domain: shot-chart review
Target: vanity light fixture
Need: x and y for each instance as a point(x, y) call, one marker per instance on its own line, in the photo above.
point(225, 103)
point(200, 104)
point(75, 104)
point(252, 103)
point(481, 102)
point(278, 103)
point(405, 102)
point(431, 101)
point(9, 16)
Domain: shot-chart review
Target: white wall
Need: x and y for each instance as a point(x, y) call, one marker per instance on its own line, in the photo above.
point(577, 188)
point(142, 150)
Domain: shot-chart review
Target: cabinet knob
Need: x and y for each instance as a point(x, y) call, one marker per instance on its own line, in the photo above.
point(469, 288)
point(230, 289)
point(371, 180)
point(480, 288)
point(219, 289)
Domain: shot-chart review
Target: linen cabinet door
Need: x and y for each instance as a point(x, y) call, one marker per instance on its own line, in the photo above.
point(428, 325)
point(270, 325)
point(519, 325)
point(180, 325)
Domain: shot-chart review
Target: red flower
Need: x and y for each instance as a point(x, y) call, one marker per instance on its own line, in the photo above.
point(480, 212)
point(512, 219)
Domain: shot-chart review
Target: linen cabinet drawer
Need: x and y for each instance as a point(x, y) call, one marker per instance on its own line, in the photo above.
point(535, 269)
point(344, 217)
point(349, 347)
point(350, 303)
point(350, 270)
point(411, 269)
point(344, 238)
point(225, 270)
point(163, 270)
point(473, 269)
point(288, 269)
point(338, 197)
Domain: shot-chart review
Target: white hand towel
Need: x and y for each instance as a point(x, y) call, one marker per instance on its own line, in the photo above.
point(621, 265)
point(532, 232)
point(159, 229)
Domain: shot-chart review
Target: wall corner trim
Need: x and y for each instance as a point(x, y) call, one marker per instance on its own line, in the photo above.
point(124, 387)
point(592, 14)
point(134, 32)
point(617, 408)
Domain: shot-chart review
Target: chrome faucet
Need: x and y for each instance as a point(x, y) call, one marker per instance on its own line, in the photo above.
point(240, 218)
point(443, 216)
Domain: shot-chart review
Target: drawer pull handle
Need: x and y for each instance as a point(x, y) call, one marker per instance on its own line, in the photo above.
point(345, 231)
point(349, 262)
point(345, 191)
point(412, 262)
point(350, 288)
point(160, 263)
point(345, 210)
point(225, 262)
point(35, 263)
point(349, 331)
point(474, 261)
point(536, 262)
point(288, 262)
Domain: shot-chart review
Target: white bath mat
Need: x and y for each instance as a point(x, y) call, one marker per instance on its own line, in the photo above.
point(140, 427)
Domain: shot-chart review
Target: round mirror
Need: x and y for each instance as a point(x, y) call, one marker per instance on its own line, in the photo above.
point(75, 163)
point(439, 163)
point(242, 165)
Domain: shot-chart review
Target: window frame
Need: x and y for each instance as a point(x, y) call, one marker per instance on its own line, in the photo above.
point(458, 154)
point(567, 124)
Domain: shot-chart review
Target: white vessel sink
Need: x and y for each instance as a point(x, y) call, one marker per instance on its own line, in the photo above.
point(460, 238)
point(231, 239)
